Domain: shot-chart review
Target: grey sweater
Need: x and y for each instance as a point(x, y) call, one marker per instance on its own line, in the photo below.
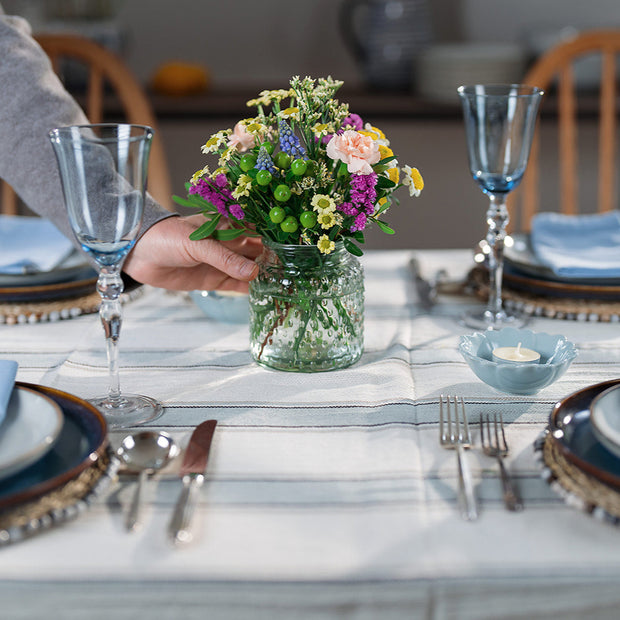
point(32, 102)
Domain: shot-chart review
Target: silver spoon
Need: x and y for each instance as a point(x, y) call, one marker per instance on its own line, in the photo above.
point(146, 452)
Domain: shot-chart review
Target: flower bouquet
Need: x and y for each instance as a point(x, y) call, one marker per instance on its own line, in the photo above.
point(308, 177)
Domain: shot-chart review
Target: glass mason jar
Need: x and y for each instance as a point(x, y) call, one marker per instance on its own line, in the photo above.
point(307, 308)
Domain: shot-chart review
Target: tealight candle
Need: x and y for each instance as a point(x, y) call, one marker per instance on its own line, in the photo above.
point(516, 355)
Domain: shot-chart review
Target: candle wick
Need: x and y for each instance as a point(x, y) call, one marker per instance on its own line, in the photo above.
point(519, 349)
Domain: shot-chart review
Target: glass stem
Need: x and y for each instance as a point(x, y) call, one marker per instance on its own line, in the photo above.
point(497, 220)
point(110, 287)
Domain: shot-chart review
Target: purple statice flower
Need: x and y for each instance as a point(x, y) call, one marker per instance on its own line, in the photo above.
point(289, 142)
point(353, 121)
point(216, 192)
point(264, 161)
point(236, 211)
point(363, 191)
point(359, 223)
point(347, 208)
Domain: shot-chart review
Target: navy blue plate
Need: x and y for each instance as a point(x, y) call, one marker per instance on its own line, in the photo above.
point(81, 443)
point(572, 432)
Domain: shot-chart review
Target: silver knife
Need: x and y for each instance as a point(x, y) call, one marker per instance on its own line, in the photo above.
point(192, 472)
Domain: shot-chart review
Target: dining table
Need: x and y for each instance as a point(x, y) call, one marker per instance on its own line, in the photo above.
point(328, 494)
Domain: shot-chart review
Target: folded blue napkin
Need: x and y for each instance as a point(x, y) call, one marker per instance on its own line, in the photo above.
point(8, 370)
point(30, 245)
point(578, 246)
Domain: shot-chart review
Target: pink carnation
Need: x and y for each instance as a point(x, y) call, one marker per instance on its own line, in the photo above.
point(357, 151)
point(241, 138)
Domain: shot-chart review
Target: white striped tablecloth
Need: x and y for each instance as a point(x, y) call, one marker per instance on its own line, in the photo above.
point(328, 495)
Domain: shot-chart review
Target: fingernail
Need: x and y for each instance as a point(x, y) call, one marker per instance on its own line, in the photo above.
point(249, 270)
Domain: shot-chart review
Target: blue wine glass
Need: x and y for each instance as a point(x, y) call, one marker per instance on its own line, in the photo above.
point(103, 170)
point(499, 125)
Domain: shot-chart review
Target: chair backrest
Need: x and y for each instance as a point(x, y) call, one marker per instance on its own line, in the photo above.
point(104, 68)
point(556, 68)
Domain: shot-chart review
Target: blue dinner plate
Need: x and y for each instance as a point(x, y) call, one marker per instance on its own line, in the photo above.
point(573, 433)
point(81, 443)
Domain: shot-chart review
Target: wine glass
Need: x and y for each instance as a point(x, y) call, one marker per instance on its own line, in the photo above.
point(499, 126)
point(103, 174)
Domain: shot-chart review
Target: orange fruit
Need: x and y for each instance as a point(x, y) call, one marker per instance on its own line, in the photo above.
point(180, 78)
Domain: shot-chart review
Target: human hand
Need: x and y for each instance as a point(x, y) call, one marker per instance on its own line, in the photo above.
point(166, 257)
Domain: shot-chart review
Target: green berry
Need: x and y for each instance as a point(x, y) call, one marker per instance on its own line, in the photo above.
point(277, 215)
point(282, 193)
point(308, 219)
point(298, 167)
point(263, 177)
point(247, 162)
point(289, 225)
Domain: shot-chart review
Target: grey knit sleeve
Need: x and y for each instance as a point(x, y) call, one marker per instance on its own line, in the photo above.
point(32, 102)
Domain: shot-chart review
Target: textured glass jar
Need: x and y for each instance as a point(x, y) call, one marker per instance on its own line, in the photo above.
point(307, 308)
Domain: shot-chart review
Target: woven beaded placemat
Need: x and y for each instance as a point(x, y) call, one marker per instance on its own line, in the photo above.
point(530, 304)
point(40, 312)
point(61, 504)
point(577, 488)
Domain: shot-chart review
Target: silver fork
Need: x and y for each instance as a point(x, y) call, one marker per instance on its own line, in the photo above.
point(454, 433)
point(495, 445)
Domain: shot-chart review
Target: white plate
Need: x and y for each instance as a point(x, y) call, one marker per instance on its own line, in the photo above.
point(75, 266)
point(605, 418)
point(31, 426)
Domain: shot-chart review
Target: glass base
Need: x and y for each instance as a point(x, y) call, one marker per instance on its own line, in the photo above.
point(128, 410)
point(486, 319)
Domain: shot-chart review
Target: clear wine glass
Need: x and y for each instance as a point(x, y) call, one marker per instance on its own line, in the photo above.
point(103, 172)
point(499, 126)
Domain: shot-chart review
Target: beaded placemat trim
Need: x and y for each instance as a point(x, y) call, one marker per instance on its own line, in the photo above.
point(577, 488)
point(565, 308)
point(41, 312)
point(60, 505)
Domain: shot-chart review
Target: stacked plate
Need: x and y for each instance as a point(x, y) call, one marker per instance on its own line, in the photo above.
point(581, 449)
point(48, 439)
point(441, 69)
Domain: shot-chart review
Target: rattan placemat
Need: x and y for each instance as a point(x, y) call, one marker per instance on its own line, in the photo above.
point(573, 309)
point(577, 488)
point(40, 312)
point(61, 504)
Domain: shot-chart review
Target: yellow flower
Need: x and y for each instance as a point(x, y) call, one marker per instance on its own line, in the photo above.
point(385, 151)
point(323, 203)
point(393, 173)
point(321, 129)
point(326, 219)
point(199, 174)
point(216, 141)
point(243, 186)
point(325, 245)
point(376, 134)
point(290, 113)
point(413, 179)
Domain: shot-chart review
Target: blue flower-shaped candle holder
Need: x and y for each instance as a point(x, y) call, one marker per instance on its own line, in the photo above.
point(556, 355)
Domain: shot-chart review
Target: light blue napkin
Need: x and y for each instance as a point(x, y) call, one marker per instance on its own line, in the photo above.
point(8, 370)
point(30, 245)
point(578, 246)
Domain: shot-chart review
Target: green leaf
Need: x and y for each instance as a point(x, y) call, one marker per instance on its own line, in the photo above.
point(358, 235)
point(384, 227)
point(385, 160)
point(205, 230)
point(184, 202)
point(352, 248)
point(384, 182)
point(227, 234)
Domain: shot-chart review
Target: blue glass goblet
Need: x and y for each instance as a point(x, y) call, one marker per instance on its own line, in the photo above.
point(103, 172)
point(499, 125)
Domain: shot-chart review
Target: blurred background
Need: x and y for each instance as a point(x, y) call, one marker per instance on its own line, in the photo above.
point(401, 61)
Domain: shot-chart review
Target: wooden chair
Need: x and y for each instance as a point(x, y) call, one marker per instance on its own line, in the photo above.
point(555, 68)
point(105, 68)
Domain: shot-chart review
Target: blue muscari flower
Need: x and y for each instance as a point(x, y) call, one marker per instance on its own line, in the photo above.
point(264, 161)
point(289, 142)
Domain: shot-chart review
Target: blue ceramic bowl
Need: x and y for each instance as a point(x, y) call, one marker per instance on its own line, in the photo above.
point(227, 307)
point(556, 355)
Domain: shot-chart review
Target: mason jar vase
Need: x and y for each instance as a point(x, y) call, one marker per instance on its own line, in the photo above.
point(306, 308)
